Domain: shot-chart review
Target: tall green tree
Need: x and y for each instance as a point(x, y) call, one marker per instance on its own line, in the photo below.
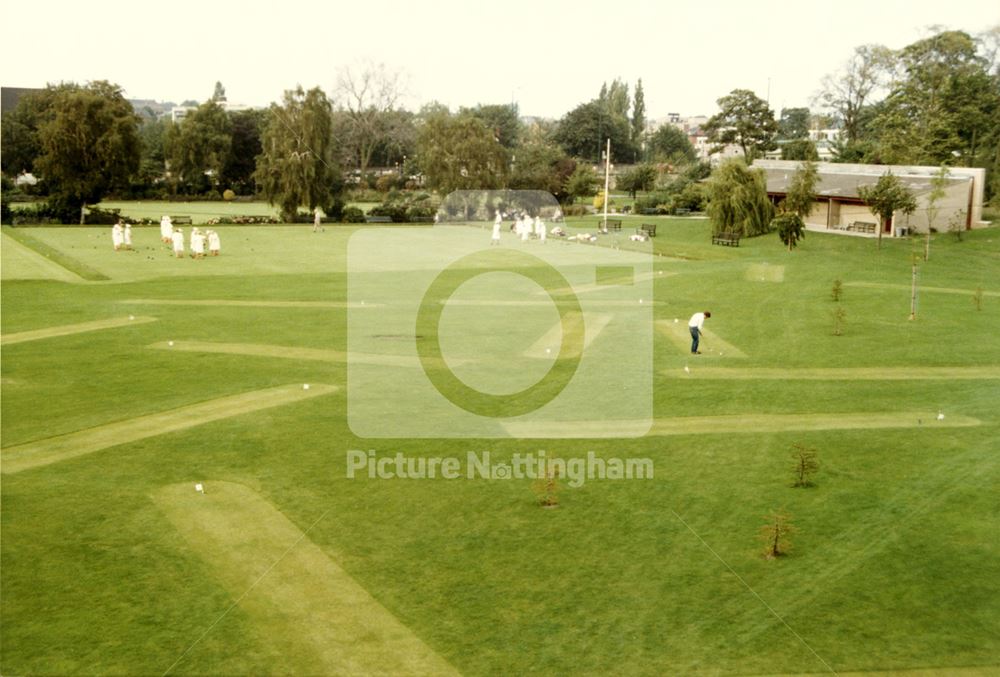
point(885, 198)
point(583, 131)
point(669, 144)
point(502, 119)
point(942, 107)
point(241, 161)
point(88, 145)
point(738, 201)
point(542, 166)
point(638, 115)
point(294, 168)
point(198, 147)
point(743, 119)
point(640, 177)
point(797, 205)
point(794, 123)
point(459, 152)
point(799, 149)
point(582, 182)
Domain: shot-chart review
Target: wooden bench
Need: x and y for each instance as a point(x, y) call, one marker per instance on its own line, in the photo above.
point(650, 211)
point(682, 211)
point(862, 227)
point(181, 220)
point(610, 224)
point(726, 239)
point(378, 219)
point(648, 228)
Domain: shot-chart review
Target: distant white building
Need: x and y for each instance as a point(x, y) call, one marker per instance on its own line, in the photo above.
point(178, 113)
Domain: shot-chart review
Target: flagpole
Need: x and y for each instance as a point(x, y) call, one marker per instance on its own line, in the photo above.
point(607, 182)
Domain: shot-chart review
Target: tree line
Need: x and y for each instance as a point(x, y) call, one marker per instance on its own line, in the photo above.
point(934, 102)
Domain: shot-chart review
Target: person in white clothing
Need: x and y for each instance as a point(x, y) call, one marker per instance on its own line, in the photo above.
point(197, 244)
point(317, 220)
point(214, 243)
point(177, 237)
point(497, 223)
point(540, 229)
point(525, 225)
point(127, 235)
point(166, 229)
point(117, 235)
point(696, 325)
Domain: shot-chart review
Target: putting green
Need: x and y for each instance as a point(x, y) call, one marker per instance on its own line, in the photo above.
point(680, 335)
point(738, 423)
point(293, 353)
point(842, 373)
point(59, 448)
point(763, 272)
point(299, 599)
point(23, 263)
point(906, 287)
point(67, 329)
point(258, 303)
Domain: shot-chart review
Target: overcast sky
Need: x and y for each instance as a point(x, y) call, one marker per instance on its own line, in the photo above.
point(546, 56)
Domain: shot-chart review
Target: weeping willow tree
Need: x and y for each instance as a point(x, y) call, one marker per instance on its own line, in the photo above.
point(294, 170)
point(738, 201)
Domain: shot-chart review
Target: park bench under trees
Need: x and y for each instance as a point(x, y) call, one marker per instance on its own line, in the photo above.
point(378, 219)
point(648, 228)
point(609, 225)
point(181, 220)
point(727, 239)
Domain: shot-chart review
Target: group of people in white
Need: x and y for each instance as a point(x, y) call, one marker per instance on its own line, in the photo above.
point(198, 241)
point(524, 226)
point(121, 235)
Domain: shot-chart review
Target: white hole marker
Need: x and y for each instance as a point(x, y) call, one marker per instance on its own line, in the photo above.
point(170, 343)
point(305, 386)
point(199, 488)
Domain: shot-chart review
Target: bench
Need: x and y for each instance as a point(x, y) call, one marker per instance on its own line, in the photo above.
point(181, 220)
point(862, 227)
point(726, 239)
point(610, 224)
point(650, 211)
point(378, 219)
point(682, 211)
point(648, 228)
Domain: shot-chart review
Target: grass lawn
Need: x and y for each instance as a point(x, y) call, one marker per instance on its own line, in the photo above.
point(112, 563)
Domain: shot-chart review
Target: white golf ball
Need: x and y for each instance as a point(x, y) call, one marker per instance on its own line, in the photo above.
point(170, 343)
point(305, 386)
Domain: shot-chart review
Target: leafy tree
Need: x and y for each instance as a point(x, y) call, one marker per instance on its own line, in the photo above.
point(797, 205)
point(939, 184)
point(848, 92)
point(368, 94)
point(542, 166)
point(198, 146)
point(641, 177)
point(460, 152)
point(152, 162)
point(21, 145)
point(219, 94)
point(615, 97)
point(885, 198)
point(89, 144)
point(638, 114)
point(802, 190)
point(944, 105)
point(799, 149)
point(794, 123)
point(669, 144)
point(738, 201)
point(241, 161)
point(294, 168)
point(582, 182)
point(584, 130)
point(502, 119)
point(744, 119)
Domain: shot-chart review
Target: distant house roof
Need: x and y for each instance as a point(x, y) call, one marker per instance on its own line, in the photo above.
point(843, 181)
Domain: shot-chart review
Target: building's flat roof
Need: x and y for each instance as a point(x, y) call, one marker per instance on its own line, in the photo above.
point(846, 184)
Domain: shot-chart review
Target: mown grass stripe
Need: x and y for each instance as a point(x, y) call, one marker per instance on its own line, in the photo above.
point(69, 329)
point(299, 599)
point(71, 445)
point(56, 256)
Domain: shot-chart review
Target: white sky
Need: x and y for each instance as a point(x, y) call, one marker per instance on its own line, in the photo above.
point(546, 56)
